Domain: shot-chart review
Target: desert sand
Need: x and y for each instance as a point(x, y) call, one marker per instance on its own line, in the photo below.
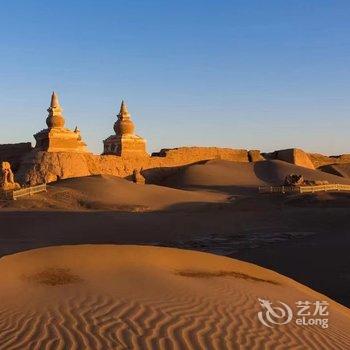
point(342, 169)
point(304, 237)
point(106, 192)
point(134, 297)
point(231, 177)
point(213, 181)
point(99, 296)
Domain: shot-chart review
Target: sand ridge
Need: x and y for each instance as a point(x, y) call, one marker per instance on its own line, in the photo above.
point(141, 297)
point(231, 177)
point(340, 169)
point(107, 192)
point(195, 186)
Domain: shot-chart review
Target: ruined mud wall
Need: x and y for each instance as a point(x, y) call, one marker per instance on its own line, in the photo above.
point(320, 160)
point(39, 167)
point(292, 155)
point(196, 154)
point(13, 153)
point(295, 156)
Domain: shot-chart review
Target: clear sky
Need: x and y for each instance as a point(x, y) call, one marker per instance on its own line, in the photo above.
point(245, 74)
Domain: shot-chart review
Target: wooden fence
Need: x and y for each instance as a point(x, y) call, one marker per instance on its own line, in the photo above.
point(27, 191)
point(303, 189)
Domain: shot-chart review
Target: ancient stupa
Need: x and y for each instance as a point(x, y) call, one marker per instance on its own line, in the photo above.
point(57, 138)
point(125, 143)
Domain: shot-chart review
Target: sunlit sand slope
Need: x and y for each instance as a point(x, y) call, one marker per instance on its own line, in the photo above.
point(104, 192)
point(134, 297)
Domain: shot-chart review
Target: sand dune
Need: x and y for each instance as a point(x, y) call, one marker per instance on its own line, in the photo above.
point(275, 172)
point(230, 176)
point(103, 192)
point(133, 297)
point(108, 191)
point(215, 173)
point(212, 182)
point(341, 169)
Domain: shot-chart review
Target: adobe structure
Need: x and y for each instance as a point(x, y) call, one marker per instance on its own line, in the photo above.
point(57, 138)
point(125, 142)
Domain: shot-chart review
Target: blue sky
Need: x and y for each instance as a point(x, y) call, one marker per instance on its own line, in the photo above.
point(244, 74)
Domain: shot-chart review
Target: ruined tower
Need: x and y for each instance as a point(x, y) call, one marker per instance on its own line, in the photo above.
point(125, 143)
point(57, 138)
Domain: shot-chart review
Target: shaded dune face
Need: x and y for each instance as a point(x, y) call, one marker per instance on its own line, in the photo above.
point(229, 176)
point(134, 297)
point(341, 169)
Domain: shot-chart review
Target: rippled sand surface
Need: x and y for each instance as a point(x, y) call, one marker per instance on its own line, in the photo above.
point(138, 297)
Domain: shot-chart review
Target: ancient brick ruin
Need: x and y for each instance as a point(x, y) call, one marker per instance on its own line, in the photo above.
point(57, 138)
point(125, 142)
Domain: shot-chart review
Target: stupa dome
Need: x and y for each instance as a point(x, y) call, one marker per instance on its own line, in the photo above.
point(124, 125)
point(124, 142)
point(55, 118)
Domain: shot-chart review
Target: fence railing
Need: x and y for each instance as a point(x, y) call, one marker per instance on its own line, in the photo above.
point(28, 191)
point(303, 189)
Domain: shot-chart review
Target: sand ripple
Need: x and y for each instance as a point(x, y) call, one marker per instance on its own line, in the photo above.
point(133, 298)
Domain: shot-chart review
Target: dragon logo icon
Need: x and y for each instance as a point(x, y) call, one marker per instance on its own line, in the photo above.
point(274, 315)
